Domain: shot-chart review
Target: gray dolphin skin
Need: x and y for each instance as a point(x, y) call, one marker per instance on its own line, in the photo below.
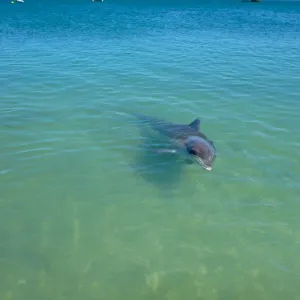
point(188, 138)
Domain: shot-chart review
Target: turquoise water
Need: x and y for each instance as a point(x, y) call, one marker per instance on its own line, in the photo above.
point(88, 211)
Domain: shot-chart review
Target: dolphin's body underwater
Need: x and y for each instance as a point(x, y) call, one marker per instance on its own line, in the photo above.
point(186, 137)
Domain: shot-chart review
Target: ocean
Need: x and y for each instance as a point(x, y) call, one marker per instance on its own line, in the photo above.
point(88, 210)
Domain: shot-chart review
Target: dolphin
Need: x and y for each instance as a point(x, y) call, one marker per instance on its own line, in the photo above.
point(186, 137)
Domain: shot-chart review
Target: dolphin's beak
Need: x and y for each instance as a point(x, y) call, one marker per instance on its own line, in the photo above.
point(207, 168)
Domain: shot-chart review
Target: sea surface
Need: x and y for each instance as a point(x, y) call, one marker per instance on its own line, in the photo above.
point(89, 210)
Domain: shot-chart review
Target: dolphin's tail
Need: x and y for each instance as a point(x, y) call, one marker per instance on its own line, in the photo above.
point(145, 118)
point(130, 113)
point(141, 117)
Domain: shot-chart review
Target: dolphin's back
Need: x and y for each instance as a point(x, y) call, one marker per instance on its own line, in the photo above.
point(171, 130)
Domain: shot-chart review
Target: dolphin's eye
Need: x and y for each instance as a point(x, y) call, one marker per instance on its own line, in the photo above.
point(193, 152)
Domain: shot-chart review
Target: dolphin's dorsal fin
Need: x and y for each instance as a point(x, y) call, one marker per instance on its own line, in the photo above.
point(195, 124)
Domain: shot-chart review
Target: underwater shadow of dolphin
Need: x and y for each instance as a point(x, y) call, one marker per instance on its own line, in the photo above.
point(161, 169)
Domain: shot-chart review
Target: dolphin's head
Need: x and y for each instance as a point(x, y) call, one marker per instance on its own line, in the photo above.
point(201, 150)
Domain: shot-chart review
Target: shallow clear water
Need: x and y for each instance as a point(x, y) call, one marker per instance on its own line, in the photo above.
point(87, 211)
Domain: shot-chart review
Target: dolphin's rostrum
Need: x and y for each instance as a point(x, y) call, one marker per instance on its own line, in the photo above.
point(188, 138)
